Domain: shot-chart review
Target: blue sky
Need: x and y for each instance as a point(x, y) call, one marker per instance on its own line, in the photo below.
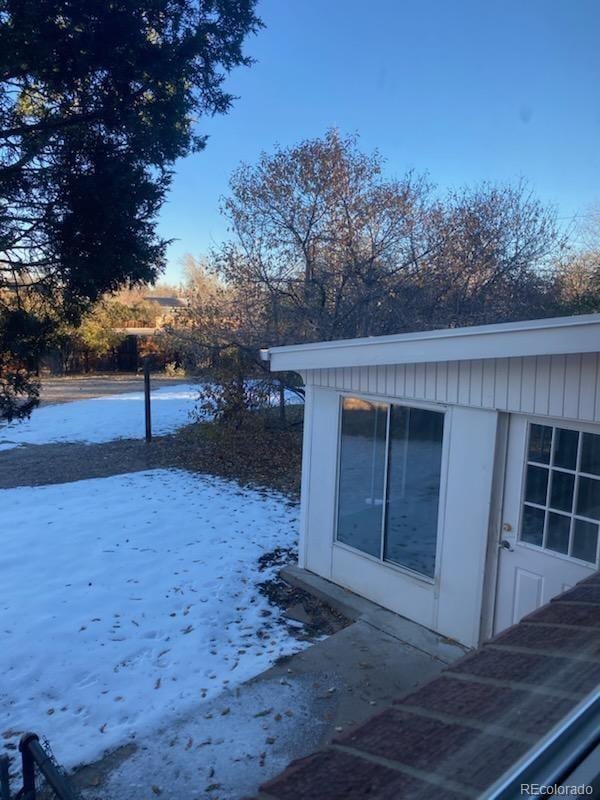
point(464, 90)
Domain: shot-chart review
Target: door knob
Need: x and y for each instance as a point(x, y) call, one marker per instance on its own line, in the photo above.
point(506, 545)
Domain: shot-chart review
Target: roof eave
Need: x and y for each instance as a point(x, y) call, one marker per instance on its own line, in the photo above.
point(581, 336)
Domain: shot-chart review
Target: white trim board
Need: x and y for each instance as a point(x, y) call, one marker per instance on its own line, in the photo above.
point(556, 336)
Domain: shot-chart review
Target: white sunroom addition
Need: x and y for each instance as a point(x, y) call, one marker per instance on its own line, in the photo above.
point(453, 476)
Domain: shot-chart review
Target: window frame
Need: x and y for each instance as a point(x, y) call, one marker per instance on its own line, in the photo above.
point(392, 401)
point(573, 516)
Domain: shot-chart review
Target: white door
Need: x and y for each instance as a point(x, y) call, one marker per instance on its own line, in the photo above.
point(551, 514)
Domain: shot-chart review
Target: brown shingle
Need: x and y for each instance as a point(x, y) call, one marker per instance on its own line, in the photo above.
point(558, 613)
point(516, 709)
point(341, 776)
point(581, 594)
point(536, 670)
point(447, 750)
point(551, 639)
point(595, 578)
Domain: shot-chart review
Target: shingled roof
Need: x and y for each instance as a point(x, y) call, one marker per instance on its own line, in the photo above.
point(455, 736)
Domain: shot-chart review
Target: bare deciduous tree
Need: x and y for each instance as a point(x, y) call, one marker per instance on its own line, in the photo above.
point(320, 235)
point(326, 247)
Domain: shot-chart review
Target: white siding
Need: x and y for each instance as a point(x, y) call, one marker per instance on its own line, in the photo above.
point(556, 386)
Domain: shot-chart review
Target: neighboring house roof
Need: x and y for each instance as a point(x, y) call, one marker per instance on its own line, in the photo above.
point(457, 735)
point(133, 331)
point(558, 335)
point(165, 301)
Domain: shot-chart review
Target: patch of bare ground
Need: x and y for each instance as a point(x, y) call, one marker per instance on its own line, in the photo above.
point(65, 388)
point(305, 615)
point(254, 456)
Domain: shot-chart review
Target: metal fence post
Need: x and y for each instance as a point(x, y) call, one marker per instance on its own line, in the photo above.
point(147, 400)
point(28, 765)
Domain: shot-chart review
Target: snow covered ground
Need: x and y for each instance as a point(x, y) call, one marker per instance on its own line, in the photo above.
point(104, 419)
point(127, 599)
point(118, 416)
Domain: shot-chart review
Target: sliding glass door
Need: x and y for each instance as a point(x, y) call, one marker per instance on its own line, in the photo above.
point(389, 482)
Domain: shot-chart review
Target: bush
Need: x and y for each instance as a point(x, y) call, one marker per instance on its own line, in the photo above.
point(172, 370)
point(233, 401)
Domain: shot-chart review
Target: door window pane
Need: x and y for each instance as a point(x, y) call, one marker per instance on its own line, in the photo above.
point(590, 453)
point(588, 498)
point(536, 485)
point(558, 533)
point(565, 448)
point(540, 443)
point(362, 474)
point(414, 470)
point(585, 540)
point(561, 493)
point(532, 527)
point(573, 491)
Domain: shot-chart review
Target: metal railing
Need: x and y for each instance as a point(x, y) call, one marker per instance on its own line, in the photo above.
point(36, 759)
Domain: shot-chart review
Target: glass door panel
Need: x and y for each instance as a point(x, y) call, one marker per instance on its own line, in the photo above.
point(413, 488)
point(362, 474)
